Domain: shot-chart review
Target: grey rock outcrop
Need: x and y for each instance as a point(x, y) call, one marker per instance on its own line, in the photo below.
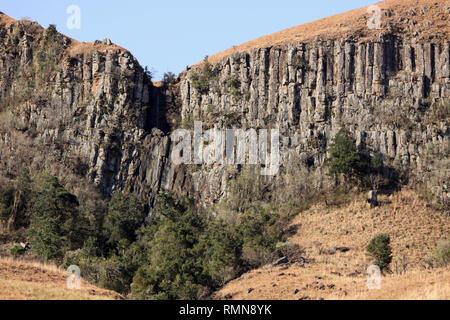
point(385, 92)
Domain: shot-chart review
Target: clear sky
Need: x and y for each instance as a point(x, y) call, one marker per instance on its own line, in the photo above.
point(168, 35)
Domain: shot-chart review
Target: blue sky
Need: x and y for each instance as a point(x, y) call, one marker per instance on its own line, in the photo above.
point(167, 35)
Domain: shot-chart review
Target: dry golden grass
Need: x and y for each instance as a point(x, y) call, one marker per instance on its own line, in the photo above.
point(34, 281)
point(352, 22)
point(415, 231)
point(77, 48)
point(158, 84)
point(4, 19)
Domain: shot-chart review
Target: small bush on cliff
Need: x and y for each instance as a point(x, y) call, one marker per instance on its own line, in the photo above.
point(344, 157)
point(233, 85)
point(379, 249)
point(148, 73)
point(169, 78)
point(51, 33)
point(47, 56)
point(299, 62)
point(201, 81)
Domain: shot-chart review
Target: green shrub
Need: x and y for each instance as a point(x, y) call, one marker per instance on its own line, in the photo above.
point(261, 229)
point(379, 249)
point(233, 85)
point(89, 266)
point(169, 78)
point(442, 253)
point(223, 250)
point(15, 198)
point(111, 275)
point(6, 203)
point(125, 215)
point(344, 157)
point(51, 33)
point(16, 251)
point(56, 224)
point(440, 256)
point(201, 81)
point(299, 62)
point(174, 268)
point(47, 57)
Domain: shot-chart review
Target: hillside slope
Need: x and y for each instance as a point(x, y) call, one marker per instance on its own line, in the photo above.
point(34, 281)
point(326, 270)
point(408, 18)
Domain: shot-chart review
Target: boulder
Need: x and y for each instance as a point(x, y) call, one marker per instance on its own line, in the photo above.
point(281, 261)
point(372, 198)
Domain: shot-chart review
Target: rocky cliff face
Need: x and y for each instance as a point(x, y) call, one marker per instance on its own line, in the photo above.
point(86, 105)
point(390, 87)
point(387, 92)
point(95, 111)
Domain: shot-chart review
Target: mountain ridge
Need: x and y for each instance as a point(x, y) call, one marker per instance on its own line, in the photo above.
point(394, 13)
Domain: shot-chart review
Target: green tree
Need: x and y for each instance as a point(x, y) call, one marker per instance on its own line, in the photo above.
point(174, 268)
point(22, 197)
point(233, 85)
point(260, 228)
point(201, 81)
point(169, 78)
point(15, 197)
point(344, 157)
point(47, 56)
point(379, 249)
point(222, 247)
point(56, 223)
point(6, 203)
point(125, 215)
point(51, 33)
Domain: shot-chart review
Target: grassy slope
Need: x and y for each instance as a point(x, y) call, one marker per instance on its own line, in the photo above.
point(415, 230)
point(34, 281)
point(354, 22)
